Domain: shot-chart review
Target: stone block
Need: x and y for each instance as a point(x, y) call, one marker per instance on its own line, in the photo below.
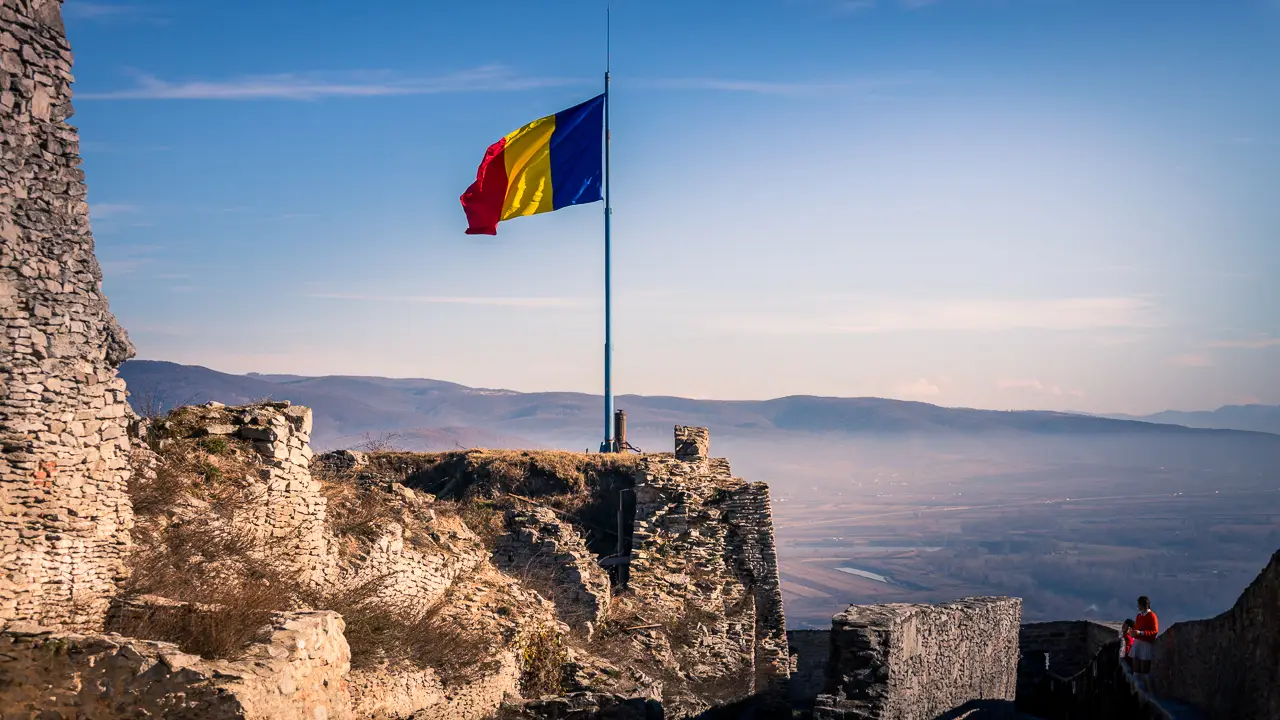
point(692, 443)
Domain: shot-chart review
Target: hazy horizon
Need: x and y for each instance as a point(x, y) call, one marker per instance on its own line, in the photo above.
point(660, 394)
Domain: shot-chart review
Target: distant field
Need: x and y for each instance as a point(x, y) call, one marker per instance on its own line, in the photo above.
point(1077, 528)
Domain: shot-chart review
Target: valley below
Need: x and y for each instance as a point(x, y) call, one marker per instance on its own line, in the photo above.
point(1078, 528)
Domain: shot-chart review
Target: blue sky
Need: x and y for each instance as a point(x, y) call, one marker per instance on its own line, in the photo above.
point(993, 203)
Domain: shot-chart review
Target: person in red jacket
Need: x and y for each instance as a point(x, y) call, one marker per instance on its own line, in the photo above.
point(1145, 628)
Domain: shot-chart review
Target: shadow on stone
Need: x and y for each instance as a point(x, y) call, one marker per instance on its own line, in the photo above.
point(981, 710)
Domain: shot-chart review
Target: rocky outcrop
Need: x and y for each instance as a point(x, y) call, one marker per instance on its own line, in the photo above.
point(297, 673)
point(64, 514)
point(702, 551)
point(920, 662)
point(1228, 666)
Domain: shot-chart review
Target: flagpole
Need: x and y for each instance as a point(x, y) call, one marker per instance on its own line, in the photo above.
point(608, 445)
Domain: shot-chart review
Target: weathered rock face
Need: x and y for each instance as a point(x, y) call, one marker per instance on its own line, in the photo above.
point(297, 673)
point(703, 549)
point(544, 552)
point(64, 514)
point(918, 662)
point(1227, 666)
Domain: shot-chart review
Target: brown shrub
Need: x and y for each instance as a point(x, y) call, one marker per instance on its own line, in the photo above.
point(157, 488)
point(542, 663)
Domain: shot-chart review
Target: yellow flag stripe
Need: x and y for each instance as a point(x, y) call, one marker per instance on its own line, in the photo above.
point(527, 156)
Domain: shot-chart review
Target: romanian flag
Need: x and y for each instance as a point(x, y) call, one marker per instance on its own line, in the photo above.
point(546, 165)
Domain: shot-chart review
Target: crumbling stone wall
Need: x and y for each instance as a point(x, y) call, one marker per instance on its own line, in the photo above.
point(297, 673)
point(407, 691)
point(290, 512)
point(1228, 666)
point(810, 651)
point(750, 518)
point(408, 577)
point(547, 553)
point(64, 515)
point(704, 538)
point(919, 662)
point(1062, 648)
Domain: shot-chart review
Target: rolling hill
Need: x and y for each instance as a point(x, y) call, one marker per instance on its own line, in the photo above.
point(433, 414)
point(1258, 418)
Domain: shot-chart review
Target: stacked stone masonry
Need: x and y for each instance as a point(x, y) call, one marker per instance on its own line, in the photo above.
point(921, 662)
point(297, 673)
point(407, 691)
point(1062, 648)
point(1227, 666)
point(64, 516)
point(704, 537)
point(290, 514)
point(547, 553)
point(810, 650)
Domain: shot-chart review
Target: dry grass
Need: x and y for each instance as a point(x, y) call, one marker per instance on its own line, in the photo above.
point(426, 638)
point(560, 479)
point(354, 511)
point(189, 545)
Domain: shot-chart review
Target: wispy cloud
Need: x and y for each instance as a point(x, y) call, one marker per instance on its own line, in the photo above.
point(315, 86)
point(124, 266)
point(126, 259)
point(86, 10)
point(525, 302)
point(852, 6)
point(1257, 344)
point(1037, 387)
point(890, 315)
point(102, 211)
point(1192, 360)
point(918, 388)
point(786, 87)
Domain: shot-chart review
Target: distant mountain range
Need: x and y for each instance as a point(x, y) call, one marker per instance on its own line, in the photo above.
point(1258, 418)
point(434, 415)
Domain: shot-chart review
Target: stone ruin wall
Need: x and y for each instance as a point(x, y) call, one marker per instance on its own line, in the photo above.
point(703, 536)
point(751, 542)
point(297, 673)
point(921, 662)
point(810, 651)
point(549, 554)
point(1229, 665)
point(1062, 647)
point(290, 509)
point(64, 513)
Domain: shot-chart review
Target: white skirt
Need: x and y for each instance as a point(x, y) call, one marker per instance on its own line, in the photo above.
point(1143, 650)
